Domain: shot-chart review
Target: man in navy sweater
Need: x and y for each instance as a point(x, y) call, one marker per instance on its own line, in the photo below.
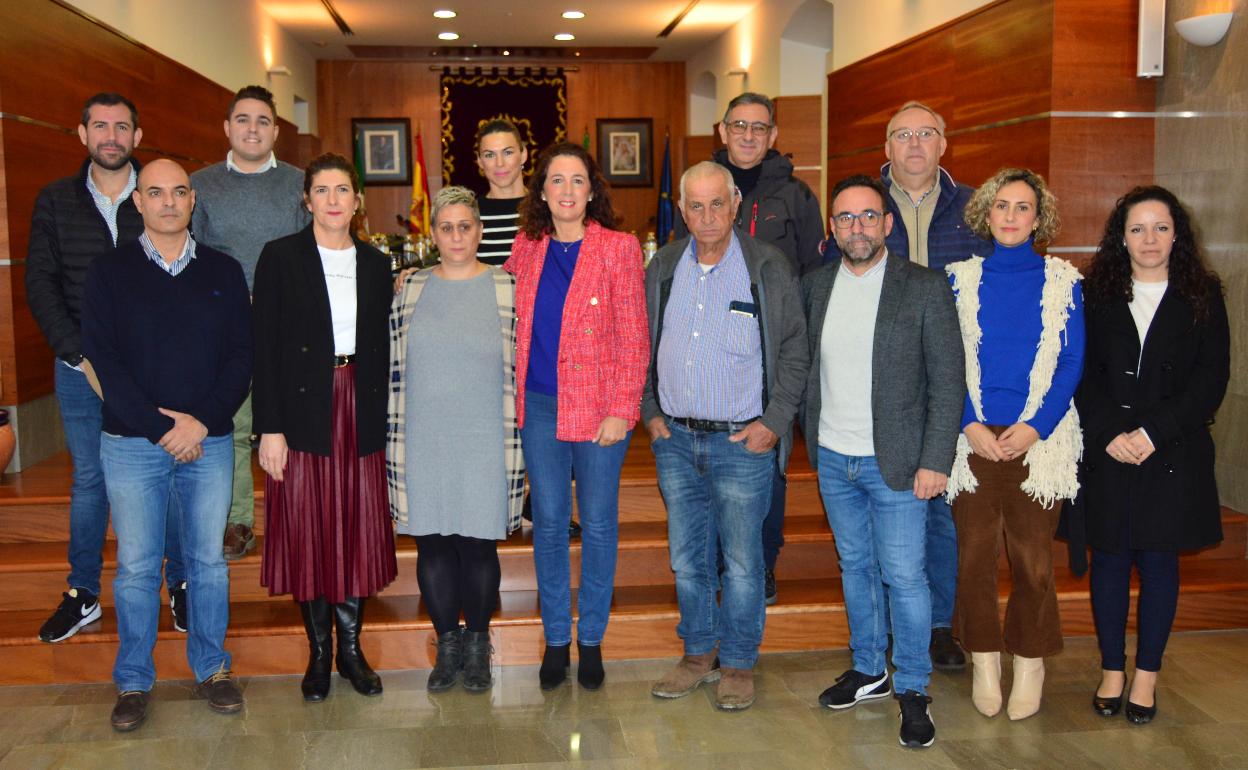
point(926, 205)
point(167, 325)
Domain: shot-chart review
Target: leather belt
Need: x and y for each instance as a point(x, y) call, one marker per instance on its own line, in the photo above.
point(711, 426)
point(341, 361)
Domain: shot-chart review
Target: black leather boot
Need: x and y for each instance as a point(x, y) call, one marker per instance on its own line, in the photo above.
point(477, 677)
point(589, 671)
point(449, 663)
point(349, 617)
point(319, 623)
point(555, 662)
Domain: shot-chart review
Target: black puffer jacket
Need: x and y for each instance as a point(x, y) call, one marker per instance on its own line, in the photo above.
point(783, 210)
point(67, 231)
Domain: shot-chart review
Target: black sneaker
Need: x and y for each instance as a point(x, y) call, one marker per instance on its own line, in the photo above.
point(177, 605)
point(78, 608)
point(917, 728)
point(853, 687)
point(769, 587)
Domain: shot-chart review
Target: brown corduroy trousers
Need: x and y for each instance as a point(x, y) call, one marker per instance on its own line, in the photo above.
point(998, 506)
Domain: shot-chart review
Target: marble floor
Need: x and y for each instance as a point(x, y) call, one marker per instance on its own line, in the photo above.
point(1203, 723)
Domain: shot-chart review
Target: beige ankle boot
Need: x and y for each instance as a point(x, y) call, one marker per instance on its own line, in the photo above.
point(986, 682)
point(1028, 685)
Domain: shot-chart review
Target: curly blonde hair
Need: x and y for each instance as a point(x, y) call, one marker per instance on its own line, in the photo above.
point(1048, 224)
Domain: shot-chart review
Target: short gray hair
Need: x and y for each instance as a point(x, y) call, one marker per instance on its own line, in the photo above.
point(913, 105)
point(750, 97)
point(708, 168)
point(454, 196)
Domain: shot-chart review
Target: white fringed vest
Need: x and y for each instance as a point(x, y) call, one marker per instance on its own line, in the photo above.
point(1053, 460)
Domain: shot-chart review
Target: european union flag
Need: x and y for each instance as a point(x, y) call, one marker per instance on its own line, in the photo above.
point(663, 220)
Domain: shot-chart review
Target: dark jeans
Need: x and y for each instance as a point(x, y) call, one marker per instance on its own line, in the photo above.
point(1110, 581)
point(773, 525)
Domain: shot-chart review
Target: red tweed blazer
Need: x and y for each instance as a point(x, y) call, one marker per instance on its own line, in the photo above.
point(604, 345)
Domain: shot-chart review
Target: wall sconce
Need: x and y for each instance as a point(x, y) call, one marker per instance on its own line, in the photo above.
point(280, 69)
point(1204, 30)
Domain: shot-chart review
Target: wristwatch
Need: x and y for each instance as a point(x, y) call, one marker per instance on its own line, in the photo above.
point(73, 359)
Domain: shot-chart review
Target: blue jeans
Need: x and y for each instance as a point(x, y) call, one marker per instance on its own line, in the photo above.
point(143, 481)
point(82, 419)
point(880, 536)
point(773, 525)
point(942, 560)
point(551, 463)
point(717, 494)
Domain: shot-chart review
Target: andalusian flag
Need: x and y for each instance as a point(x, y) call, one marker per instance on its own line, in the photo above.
point(418, 214)
point(585, 139)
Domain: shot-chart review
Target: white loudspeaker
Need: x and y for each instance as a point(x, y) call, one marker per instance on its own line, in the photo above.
point(1151, 46)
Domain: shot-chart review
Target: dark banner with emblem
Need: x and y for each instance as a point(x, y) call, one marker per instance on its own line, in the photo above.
point(535, 100)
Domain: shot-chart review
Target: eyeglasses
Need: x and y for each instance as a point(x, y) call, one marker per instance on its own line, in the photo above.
point(869, 219)
point(739, 127)
point(904, 135)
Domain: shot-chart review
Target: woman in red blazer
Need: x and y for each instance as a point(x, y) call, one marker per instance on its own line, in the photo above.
point(582, 348)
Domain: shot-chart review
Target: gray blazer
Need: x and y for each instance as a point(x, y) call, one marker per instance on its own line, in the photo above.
point(781, 323)
point(918, 386)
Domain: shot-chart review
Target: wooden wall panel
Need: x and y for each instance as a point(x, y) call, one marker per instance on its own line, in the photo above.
point(348, 89)
point(798, 119)
point(997, 75)
point(51, 60)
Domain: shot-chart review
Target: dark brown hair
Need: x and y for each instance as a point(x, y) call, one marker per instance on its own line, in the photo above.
point(109, 99)
point(535, 219)
point(496, 126)
point(259, 93)
point(330, 161)
point(1109, 275)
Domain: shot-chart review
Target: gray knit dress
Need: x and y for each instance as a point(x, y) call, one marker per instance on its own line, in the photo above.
point(456, 482)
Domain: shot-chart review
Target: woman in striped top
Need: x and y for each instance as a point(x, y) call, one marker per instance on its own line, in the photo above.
point(501, 156)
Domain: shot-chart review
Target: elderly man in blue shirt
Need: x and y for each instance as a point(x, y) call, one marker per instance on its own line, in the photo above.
point(728, 363)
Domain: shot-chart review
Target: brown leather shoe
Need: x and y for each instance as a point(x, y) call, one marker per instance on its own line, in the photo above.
point(239, 539)
point(736, 689)
point(221, 692)
point(691, 671)
point(129, 711)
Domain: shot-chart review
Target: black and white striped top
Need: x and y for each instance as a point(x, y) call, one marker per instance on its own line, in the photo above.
point(498, 215)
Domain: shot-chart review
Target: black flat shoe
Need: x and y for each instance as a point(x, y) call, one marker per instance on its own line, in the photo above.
point(1108, 707)
point(555, 662)
point(1141, 715)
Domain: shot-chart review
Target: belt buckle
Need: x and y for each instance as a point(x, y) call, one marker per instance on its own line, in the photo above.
point(341, 361)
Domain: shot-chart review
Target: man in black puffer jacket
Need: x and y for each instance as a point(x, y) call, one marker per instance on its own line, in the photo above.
point(77, 219)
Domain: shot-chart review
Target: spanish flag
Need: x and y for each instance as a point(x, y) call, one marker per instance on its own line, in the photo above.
point(418, 214)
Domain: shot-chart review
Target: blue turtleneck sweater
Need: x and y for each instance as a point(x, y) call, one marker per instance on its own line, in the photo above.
point(1009, 316)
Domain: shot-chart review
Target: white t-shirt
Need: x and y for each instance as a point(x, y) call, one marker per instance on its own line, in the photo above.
point(845, 350)
point(1145, 297)
point(339, 266)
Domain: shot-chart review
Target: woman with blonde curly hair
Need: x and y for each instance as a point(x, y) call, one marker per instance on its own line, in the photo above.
point(1022, 329)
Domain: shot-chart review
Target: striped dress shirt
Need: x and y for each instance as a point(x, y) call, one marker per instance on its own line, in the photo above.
point(710, 361)
point(179, 264)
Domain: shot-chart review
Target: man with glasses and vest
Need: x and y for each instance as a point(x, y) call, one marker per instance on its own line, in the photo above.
point(926, 206)
point(776, 208)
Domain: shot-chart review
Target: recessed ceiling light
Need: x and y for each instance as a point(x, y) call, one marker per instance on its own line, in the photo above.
point(448, 36)
point(573, 14)
point(444, 14)
point(506, 52)
point(565, 36)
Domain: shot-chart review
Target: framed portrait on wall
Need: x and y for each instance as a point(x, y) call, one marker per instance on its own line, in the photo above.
point(383, 150)
point(624, 151)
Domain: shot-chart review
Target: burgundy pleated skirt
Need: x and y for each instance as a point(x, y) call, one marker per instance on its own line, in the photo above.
point(327, 530)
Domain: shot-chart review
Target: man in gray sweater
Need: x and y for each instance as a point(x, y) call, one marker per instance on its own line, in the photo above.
point(881, 414)
point(242, 203)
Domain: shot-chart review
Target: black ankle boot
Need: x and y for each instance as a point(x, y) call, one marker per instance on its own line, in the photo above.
point(449, 663)
point(349, 617)
point(589, 666)
point(477, 651)
point(555, 663)
point(319, 623)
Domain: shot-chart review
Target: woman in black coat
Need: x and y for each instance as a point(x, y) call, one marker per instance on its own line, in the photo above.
point(322, 348)
point(1155, 371)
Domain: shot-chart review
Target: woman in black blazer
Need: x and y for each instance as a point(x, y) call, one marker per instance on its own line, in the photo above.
point(321, 307)
point(1155, 371)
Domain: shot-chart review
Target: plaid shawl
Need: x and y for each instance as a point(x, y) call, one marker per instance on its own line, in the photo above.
point(396, 468)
